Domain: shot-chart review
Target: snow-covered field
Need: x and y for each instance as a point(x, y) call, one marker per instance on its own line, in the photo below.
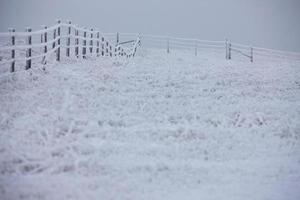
point(160, 126)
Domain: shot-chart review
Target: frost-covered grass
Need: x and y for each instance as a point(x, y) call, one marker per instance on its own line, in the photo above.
point(158, 127)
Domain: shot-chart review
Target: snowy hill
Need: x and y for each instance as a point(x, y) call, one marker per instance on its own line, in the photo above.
point(159, 126)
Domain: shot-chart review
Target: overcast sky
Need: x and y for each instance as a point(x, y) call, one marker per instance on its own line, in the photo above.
point(266, 23)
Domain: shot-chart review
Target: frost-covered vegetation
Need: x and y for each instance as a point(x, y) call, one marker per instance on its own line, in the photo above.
point(159, 126)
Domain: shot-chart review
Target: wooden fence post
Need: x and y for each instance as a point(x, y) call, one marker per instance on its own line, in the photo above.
point(118, 38)
point(28, 50)
point(84, 44)
point(168, 45)
point(110, 51)
point(251, 54)
point(98, 44)
point(229, 51)
point(58, 41)
point(76, 43)
point(54, 37)
point(119, 50)
point(140, 38)
point(13, 52)
point(42, 37)
point(102, 46)
point(106, 49)
point(45, 47)
point(226, 49)
point(68, 39)
point(91, 41)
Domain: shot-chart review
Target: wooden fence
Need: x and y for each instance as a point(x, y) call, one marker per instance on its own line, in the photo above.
point(229, 49)
point(62, 39)
point(69, 40)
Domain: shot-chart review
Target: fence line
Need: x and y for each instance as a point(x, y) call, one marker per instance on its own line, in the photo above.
point(54, 39)
point(82, 42)
point(230, 49)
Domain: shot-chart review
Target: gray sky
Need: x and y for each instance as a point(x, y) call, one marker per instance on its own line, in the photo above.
point(266, 23)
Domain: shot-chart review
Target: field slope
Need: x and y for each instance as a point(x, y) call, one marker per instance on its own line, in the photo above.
point(156, 127)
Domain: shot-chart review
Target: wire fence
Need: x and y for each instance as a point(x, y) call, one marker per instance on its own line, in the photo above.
point(59, 40)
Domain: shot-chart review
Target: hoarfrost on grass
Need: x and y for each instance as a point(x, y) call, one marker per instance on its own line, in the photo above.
point(158, 127)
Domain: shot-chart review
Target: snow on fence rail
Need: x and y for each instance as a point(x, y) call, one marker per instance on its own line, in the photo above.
point(51, 40)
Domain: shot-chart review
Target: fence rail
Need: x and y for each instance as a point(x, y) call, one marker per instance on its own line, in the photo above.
point(231, 50)
point(53, 40)
point(83, 42)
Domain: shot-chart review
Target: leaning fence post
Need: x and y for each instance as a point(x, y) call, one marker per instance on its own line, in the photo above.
point(58, 42)
point(45, 47)
point(13, 52)
point(91, 41)
point(84, 44)
point(168, 45)
point(98, 43)
point(76, 43)
point(69, 39)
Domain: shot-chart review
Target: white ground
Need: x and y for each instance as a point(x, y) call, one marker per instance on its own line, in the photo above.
point(158, 127)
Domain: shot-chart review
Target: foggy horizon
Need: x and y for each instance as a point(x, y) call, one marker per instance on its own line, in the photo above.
point(267, 23)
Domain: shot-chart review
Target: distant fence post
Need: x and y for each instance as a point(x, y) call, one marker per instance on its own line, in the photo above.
point(98, 44)
point(119, 50)
point(229, 51)
point(45, 47)
point(140, 37)
point(54, 37)
point(168, 45)
point(84, 45)
point(106, 49)
point(251, 54)
point(226, 49)
point(58, 41)
point(118, 38)
point(28, 51)
point(110, 50)
point(91, 41)
point(196, 48)
point(68, 39)
point(13, 52)
point(76, 43)
point(42, 37)
point(102, 46)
